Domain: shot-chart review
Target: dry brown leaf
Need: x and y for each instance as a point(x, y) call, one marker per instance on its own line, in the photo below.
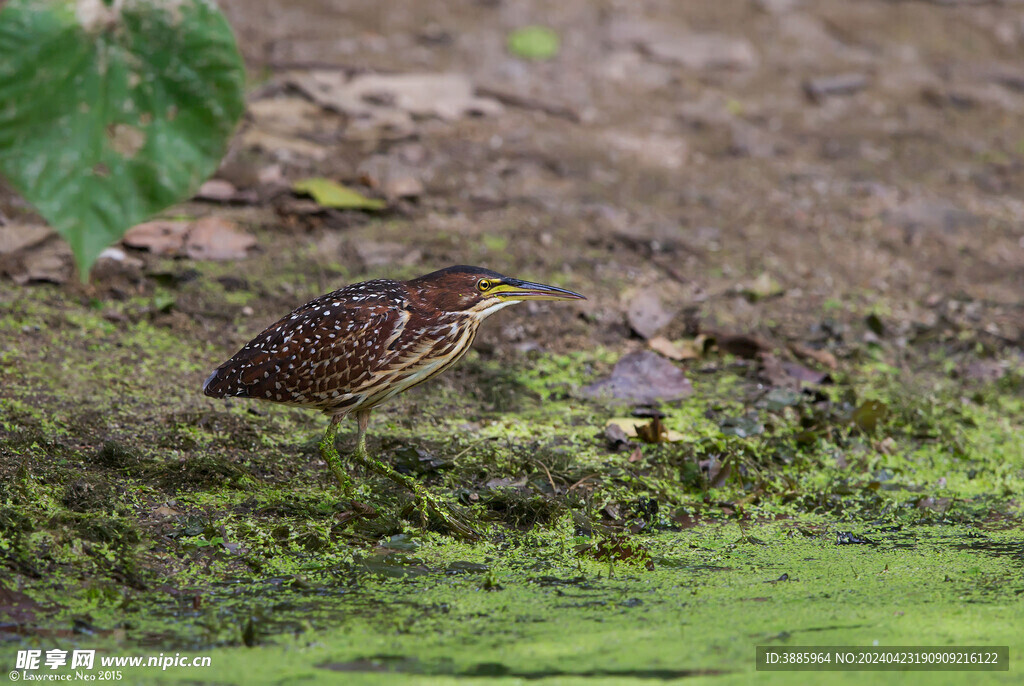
point(159, 237)
point(783, 374)
point(216, 238)
point(664, 346)
point(639, 427)
point(50, 262)
point(822, 357)
point(641, 377)
point(33, 252)
point(15, 237)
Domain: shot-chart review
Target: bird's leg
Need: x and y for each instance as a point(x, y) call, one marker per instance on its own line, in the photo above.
point(425, 500)
point(362, 421)
point(330, 454)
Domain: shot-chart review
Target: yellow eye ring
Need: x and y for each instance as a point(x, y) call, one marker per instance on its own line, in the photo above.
point(483, 285)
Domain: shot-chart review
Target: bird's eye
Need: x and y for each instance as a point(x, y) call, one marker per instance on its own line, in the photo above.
point(483, 285)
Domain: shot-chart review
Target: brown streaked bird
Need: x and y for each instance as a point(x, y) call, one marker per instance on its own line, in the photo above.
point(350, 350)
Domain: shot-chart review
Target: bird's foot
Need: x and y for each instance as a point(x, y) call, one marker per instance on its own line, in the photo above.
point(426, 503)
point(453, 520)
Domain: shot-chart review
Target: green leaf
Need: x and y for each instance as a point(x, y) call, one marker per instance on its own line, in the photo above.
point(869, 415)
point(332, 194)
point(109, 113)
point(534, 42)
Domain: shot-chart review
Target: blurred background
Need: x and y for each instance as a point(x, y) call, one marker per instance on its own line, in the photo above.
point(761, 159)
point(778, 166)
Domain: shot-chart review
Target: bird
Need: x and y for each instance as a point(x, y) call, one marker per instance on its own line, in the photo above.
point(350, 350)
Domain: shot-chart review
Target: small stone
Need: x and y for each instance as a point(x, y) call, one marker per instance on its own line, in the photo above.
point(841, 84)
point(647, 314)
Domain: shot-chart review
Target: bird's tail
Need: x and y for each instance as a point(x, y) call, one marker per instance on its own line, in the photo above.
point(217, 385)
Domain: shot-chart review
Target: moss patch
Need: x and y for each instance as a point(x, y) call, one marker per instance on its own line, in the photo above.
point(879, 507)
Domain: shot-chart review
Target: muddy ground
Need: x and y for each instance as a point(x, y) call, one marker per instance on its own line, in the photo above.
point(813, 210)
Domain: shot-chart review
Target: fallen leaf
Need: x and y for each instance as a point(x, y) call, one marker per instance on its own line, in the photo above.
point(639, 427)
point(51, 262)
point(869, 414)
point(31, 252)
point(783, 374)
point(165, 511)
point(216, 238)
point(653, 431)
point(15, 237)
point(534, 42)
point(642, 377)
point(329, 193)
point(647, 314)
point(822, 357)
point(805, 375)
point(718, 473)
point(778, 398)
point(158, 237)
point(667, 348)
point(742, 427)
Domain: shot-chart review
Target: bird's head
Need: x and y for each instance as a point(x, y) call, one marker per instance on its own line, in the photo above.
point(480, 292)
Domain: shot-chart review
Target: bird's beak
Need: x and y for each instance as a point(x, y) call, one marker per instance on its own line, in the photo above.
point(514, 289)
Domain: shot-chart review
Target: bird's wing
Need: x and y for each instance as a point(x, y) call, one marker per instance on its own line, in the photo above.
point(426, 348)
point(320, 354)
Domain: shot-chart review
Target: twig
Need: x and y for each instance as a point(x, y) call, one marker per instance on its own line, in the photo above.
point(586, 478)
point(554, 489)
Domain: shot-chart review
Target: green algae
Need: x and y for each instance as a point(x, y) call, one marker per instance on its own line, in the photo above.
point(138, 513)
point(531, 609)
